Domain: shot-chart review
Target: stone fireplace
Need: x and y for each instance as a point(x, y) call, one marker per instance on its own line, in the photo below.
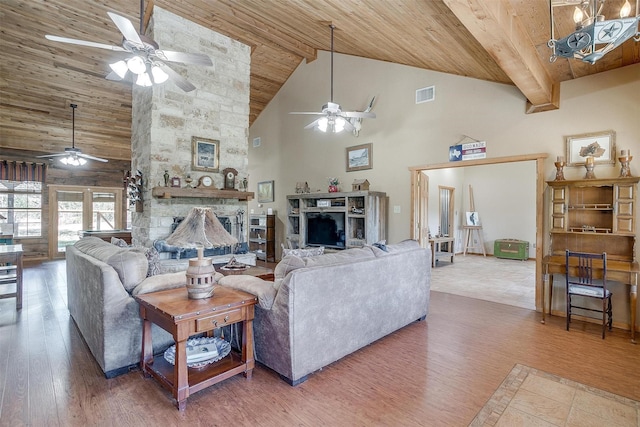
point(165, 119)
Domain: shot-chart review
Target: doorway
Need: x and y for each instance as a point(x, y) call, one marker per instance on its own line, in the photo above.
point(417, 178)
point(74, 209)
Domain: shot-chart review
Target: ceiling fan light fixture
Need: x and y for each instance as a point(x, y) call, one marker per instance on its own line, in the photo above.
point(144, 80)
point(625, 10)
point(73, 161)
point(136, 65)
point(159, 76)
point(339, 124)
point(323, 122)
point(120, 68)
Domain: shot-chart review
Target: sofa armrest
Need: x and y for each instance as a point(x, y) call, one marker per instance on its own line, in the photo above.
point(263, 289)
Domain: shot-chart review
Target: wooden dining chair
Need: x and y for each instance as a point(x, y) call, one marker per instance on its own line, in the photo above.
point(581, 283)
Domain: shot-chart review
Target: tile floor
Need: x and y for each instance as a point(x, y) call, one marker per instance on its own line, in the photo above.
point(529, 397)
point(512, 281)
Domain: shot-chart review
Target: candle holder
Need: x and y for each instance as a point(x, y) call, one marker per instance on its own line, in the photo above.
point(625, 170)
point(559, 171)
point(589, 166)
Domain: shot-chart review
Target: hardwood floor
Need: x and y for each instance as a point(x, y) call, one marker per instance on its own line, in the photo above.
point(439, 372)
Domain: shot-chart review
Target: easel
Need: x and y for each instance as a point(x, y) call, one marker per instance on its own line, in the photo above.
point(470, 229)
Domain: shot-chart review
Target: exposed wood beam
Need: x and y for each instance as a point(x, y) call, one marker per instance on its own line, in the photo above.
point(498, 29)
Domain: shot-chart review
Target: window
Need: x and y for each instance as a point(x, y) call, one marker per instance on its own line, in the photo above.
point(21, 205)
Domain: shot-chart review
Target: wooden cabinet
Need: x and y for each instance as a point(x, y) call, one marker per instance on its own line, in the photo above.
point(336, 220)
point(594, 215)
point(262, 237)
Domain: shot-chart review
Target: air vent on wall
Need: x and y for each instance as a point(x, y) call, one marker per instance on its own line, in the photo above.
point(256, 142)
point(425, 94)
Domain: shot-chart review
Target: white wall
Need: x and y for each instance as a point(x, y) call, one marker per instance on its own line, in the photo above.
point(406, 134)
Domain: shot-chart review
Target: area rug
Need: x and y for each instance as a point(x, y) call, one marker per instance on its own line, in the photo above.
point(529, 397)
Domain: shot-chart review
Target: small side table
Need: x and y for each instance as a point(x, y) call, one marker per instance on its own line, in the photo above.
point(182, 317)
point(11, 271)
point(436, 249)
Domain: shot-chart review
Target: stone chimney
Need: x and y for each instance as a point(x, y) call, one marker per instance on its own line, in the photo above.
point(165, 119)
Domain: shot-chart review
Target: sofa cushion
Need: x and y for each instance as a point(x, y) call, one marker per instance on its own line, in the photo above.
point(263, 289)
point(404, 246)
point(346, 256)
point(131, 266)
point(287, 264)
point(304, 252)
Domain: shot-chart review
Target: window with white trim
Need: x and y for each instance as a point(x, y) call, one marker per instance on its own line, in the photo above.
point(21, 206)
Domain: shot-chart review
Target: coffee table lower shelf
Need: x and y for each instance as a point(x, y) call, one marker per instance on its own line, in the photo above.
point(198, 378)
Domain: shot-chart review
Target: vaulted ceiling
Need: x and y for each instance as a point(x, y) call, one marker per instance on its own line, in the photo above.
point(496, 40)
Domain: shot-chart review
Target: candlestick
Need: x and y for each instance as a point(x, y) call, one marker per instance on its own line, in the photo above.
point(589, 165)
point(559, 172)
point(625, 170)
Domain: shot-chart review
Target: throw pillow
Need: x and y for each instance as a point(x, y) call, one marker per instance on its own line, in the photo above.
point(304, 252)
point(382, 244)
point(119, 242)
point(153, 260)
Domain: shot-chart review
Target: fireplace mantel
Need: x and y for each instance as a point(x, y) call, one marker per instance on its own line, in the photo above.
point(209, 193)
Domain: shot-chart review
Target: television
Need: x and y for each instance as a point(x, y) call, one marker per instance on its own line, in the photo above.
point(325, 229)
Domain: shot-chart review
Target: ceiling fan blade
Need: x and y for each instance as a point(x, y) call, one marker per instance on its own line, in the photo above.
point(126, 28)
point(307, 112)
point(348, 126)
point(360, 114)
point(85, 43)
point(185, 58)
point(312, 124)
point(52, 155)
point(90, 157)
point(180, 81)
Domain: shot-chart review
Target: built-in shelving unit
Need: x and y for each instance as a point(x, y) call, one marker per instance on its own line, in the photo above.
point(358, 218)
point(211, 193)
point(262, 237)
point(594, 215)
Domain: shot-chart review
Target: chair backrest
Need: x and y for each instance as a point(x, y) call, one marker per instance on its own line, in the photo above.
point(582, 264)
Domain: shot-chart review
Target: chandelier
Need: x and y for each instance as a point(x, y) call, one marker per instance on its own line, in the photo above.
point(594, 36)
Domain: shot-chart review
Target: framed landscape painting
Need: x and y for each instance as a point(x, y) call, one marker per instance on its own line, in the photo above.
point(359, 157)
point(265, 192)
point(206, 154)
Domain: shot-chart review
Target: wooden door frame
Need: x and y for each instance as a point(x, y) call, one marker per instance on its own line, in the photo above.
point(87, 191)
point(539, 158)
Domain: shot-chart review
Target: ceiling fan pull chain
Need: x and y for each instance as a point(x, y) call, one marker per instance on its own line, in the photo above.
point(332, 27)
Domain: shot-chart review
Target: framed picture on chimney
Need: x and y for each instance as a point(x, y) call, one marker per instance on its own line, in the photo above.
point(206, 154)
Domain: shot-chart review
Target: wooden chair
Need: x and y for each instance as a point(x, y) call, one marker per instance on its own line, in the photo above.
point(582, 284)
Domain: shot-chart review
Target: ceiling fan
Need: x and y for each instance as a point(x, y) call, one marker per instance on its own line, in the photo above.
point(333, 118)
point(146, 64)
point(73, 156)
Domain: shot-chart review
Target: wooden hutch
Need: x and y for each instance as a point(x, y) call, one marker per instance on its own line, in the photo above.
point(595, 215)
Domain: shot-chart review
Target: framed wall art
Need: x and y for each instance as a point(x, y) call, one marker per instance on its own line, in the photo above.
point(265, 192)
point(359, 157)
point(206, 154)
point(599, 145)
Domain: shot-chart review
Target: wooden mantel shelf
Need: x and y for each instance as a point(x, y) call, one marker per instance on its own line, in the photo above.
point(209, 193)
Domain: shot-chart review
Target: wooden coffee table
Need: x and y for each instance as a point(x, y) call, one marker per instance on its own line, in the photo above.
point(182, 317)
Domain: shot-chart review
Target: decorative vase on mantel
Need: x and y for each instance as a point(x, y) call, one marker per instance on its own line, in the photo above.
point(333, 189)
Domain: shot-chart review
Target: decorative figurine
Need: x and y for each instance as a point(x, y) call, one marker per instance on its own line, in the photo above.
point(166, 178)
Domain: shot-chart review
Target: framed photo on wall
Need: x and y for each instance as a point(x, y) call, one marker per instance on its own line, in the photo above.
point(599, 145)
point(206, 154)
point(265, 192)
point(359, 157)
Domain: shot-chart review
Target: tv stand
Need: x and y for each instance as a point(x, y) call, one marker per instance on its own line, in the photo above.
point(364, 213)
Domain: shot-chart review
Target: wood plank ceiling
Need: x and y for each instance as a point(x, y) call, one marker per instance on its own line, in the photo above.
point(496, 40)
